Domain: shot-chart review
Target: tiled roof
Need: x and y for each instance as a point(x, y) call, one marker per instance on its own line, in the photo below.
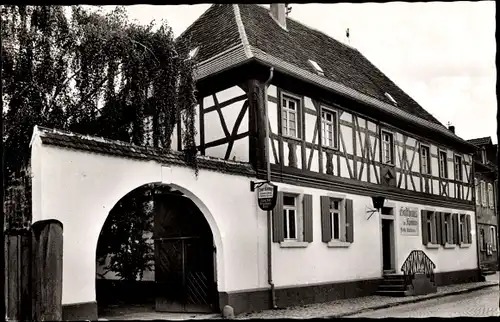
point(341, 63)
point(76, 141)
point(480, 141)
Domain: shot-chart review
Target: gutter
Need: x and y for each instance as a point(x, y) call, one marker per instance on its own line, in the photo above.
point(268, 177)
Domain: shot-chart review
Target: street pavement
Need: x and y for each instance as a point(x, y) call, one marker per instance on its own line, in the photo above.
point(481, 303)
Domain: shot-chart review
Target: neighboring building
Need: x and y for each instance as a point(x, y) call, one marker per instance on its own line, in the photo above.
point(341, 133)
point(486, 182)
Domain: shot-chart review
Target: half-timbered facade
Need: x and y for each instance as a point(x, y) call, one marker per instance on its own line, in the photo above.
point(340, 133)
point(486, 185)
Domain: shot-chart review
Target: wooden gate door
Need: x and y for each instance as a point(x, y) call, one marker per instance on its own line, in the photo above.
point(184, 258)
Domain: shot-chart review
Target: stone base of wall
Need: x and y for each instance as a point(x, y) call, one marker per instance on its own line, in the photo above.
point(250, 300)
point(257, 300)
point(80, 311)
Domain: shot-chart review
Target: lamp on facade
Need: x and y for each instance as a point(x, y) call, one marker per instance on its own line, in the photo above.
point(378, 203)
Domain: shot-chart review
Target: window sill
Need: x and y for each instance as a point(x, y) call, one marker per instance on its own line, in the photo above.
point(329, 148)
point(449, 246)
point(464, 245)
point(293, 244)
point(432, 246)
point(338, 244)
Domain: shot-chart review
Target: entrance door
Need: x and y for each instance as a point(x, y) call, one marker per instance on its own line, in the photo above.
point(184, 257)
point(388, 245)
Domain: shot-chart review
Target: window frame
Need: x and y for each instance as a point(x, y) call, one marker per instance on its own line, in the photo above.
point(431, 223)
point(460, 170)
point(448, 222)
point(342, 219)
point(443, 173)
point(148, 130)
point(428, 148)
point(286, 209)
point(335, 124)
point(298, 115)
point(493, 238)
point(462, 228)
point(392, 147)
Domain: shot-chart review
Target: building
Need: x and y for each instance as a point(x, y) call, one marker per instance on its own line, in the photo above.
point(341, 135)
point(486, 182)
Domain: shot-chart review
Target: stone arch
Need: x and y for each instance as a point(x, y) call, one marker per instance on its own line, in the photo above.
point(197, 201)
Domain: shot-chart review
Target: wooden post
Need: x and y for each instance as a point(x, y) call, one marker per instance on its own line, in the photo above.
point(46, 273)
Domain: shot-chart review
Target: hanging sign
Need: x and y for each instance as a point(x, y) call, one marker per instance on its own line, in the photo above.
point(266, 196)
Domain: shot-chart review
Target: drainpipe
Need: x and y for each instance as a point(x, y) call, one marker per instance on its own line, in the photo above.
point(269, 222)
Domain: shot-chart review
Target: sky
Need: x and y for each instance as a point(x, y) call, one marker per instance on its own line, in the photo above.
point(440, 53)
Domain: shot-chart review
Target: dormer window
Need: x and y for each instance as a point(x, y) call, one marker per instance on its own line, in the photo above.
point(193, 52)
point(390, 98)
point(318, 69)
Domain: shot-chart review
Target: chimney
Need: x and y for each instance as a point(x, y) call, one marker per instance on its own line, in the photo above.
point(278, 12)
point(451, 128)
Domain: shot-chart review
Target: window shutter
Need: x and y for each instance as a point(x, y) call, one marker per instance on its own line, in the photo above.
point(456, 235)
point(437, 226)
point(425, 237)
point(278, 230)
point(349, 220)
point(308, 218)
point(478, 195)
point(468, 235)
point(442, 227)
point(490, 195)
point(326, 227)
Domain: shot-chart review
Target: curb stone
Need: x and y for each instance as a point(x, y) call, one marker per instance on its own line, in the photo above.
point(410, 301)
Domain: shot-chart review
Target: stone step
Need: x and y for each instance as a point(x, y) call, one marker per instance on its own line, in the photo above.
point(393, 276)
point(393, 282)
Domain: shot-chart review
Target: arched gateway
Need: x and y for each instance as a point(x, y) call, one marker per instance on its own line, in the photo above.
point(78, 180)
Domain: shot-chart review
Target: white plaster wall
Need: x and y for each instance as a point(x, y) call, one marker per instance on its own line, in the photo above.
point(445, 259)
point(310, 126)
point(80, 189)
point(319, 264)
point(213, 125)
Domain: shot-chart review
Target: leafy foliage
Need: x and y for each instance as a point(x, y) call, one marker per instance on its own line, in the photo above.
point(99, 74)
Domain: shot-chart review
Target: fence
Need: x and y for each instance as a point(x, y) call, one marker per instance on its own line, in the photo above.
point(33, 258)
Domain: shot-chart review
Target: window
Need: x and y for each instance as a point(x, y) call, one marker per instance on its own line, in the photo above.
point(315, 65)
point(448, 229)
point(443, 165)
point(387, 148)
point(329, 126)
point(482, 240)
point(478, 195)
point(490, 196)
point(290, 216)
point(425, 159)
point(483, 193)
point(462, 231)
point(431, 227)
point(337, 220)
point(493, 238)
point(289, 117)
point(292, 219)
point(458, 168)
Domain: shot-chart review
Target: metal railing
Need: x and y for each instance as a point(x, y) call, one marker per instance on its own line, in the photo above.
point(417, 262)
